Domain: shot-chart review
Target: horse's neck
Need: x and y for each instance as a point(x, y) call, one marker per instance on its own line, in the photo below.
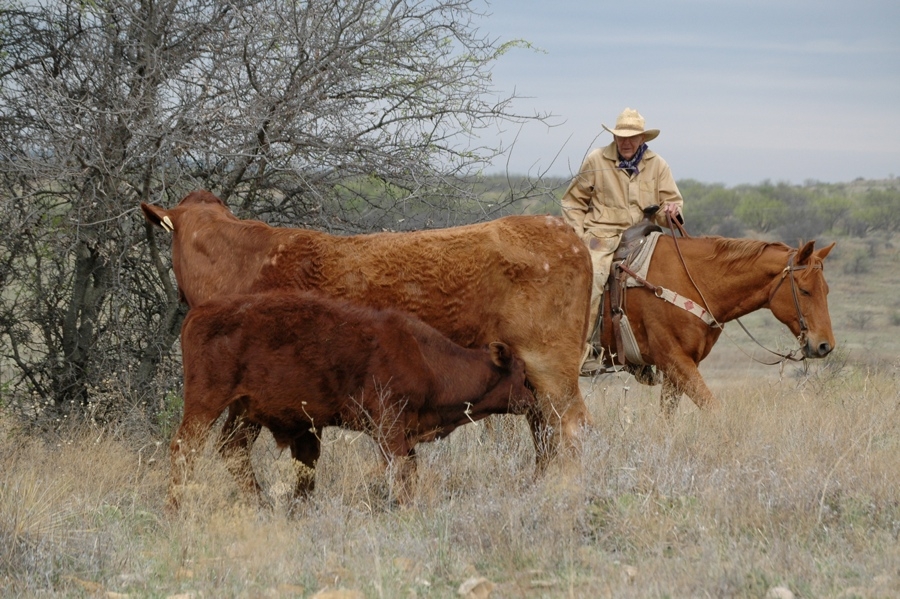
point(734, 286)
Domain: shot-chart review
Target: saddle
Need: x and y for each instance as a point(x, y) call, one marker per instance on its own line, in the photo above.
point(630, 245)
point(633, 237)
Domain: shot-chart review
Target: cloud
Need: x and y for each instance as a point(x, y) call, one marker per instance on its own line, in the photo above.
point(790, 88)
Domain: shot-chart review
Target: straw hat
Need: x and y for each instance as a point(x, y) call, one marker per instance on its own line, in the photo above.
point(631, 123)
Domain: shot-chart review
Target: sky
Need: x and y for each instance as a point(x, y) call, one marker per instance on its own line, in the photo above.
point(743, 91)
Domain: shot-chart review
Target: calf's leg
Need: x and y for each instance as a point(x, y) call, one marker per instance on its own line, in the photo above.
point(306, 448)
point(399, 454)
point(401, 471)
point(187, 441)
point(235, 441)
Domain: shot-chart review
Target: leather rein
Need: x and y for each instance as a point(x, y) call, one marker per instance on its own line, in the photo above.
point(786, 273)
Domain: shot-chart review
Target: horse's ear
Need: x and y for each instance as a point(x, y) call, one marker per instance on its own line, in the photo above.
point(805, 252)
point(825, 251)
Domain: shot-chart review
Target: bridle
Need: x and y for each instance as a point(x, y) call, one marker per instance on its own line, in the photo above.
point(786, 273)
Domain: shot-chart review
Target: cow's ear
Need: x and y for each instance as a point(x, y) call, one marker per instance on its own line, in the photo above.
point(158, 216)
point(500, 354)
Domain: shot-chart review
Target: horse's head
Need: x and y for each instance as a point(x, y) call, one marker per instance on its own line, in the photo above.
point(799, 299)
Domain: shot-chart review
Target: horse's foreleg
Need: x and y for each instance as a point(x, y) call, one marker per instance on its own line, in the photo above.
point(669, 397)
point(682, 374)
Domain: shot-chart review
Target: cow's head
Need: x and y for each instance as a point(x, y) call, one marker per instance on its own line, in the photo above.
point(196, 225)
point(167, 219)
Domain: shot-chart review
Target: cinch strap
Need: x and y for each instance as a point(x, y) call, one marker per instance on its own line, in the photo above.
point(685, 304)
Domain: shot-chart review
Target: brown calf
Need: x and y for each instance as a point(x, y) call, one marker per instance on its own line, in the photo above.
point(296, 362)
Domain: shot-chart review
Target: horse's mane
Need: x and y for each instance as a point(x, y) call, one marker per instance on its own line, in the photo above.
point(740, 250)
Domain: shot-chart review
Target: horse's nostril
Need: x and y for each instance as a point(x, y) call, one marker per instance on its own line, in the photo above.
point(824, 349)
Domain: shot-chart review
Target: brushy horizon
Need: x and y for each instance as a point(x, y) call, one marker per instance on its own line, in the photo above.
point(793, 486)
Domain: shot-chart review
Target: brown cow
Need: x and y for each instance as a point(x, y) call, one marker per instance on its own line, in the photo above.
point(524, 280)
point(296, 362)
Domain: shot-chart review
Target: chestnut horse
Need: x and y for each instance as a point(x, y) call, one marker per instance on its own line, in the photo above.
point(728, 278)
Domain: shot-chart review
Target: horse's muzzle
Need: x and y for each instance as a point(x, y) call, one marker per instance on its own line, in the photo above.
point(820, 350)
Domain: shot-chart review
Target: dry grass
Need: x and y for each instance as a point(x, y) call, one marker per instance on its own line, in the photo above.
point(794, 484)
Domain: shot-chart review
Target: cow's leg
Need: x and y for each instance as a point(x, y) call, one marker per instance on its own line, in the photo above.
point(546, 444)
point(306, 448)
point(235, 442)
point(559, 414)
point(187, 441)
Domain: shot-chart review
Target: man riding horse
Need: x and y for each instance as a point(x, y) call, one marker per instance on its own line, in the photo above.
point(613, 187)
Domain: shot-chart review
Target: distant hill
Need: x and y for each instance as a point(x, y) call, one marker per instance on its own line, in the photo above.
point(777, 211)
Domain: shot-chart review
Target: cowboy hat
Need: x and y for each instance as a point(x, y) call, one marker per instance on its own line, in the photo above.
point(631, 123)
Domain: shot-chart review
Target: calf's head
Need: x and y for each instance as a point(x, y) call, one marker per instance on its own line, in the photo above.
point(510, 393)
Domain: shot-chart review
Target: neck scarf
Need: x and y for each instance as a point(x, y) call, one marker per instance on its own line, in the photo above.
point(631, 166)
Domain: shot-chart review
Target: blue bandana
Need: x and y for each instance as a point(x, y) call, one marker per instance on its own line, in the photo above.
point(631, 166)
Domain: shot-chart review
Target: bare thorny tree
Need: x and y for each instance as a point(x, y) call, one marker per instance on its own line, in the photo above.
point(344, 115)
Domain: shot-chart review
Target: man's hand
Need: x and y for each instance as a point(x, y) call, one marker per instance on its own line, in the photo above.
point(673, 210)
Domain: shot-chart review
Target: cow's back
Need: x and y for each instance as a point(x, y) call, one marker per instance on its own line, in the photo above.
point(510, 279)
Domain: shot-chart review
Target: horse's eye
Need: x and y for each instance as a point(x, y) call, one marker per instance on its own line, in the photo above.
point(804, 292)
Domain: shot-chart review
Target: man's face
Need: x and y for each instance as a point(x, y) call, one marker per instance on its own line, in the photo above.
point(628, 146)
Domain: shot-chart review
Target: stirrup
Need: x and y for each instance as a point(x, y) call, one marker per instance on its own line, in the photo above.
point(592, 363)
point(645, 374)
point(591, 368)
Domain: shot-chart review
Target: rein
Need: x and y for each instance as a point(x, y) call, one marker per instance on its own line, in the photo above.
point(787, 272)
point(674, 223)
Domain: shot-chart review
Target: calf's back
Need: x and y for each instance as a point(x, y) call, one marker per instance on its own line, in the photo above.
point(298, 359)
